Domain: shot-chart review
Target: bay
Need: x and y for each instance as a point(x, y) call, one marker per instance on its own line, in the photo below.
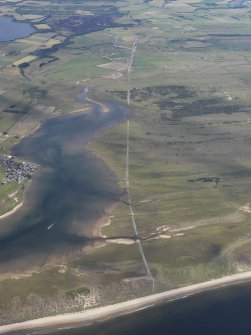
point(72, 191)
point(12, 30)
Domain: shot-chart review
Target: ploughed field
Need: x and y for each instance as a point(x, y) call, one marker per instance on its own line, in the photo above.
point(189, 142)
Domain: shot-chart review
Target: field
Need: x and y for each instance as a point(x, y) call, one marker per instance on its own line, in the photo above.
point(189, 141)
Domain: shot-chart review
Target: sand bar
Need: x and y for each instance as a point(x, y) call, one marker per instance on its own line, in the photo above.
point(82, 318)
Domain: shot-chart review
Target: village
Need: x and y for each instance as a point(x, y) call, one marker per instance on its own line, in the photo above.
point(16, 171)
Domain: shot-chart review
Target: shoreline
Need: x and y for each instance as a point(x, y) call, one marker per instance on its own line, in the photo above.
point(12, 211)
point(94, 230)
point(126, 307)
point(41, 124)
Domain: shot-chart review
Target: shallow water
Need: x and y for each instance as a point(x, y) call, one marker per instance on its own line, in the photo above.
point(72, 191)
point(11, 30)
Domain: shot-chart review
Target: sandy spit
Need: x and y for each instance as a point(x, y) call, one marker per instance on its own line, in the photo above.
point(126, 307)
point(12, 211)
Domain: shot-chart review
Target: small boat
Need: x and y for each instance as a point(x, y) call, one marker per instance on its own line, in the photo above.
point(51, 225)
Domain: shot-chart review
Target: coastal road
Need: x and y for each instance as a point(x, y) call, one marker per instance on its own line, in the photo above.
point(141, 250)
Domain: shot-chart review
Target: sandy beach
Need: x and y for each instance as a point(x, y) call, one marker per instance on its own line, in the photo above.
point(12, 211)
point(106, 312)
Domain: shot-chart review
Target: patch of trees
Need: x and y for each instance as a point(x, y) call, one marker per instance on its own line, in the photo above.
point(79, 25)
